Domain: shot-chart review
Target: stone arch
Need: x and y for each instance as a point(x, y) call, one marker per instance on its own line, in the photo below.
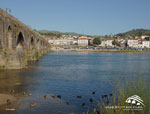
point(38, 43)
point(10, 39)
point(20, 39)
point(38, 40)
point(32, 43)
point(42, 43)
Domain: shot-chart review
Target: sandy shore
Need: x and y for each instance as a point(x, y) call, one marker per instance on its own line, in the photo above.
point(4, 97)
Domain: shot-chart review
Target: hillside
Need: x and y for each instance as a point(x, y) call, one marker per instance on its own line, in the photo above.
point(48, 32)
point(135, 32)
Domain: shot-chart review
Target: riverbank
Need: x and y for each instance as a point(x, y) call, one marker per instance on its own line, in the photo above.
point(107, 51)
point(7, 102)
point(5, 97)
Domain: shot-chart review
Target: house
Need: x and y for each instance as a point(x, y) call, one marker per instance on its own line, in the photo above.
point(75, 41)
point(83, 41)
point(146, 44)
point(122, 42)
point(103, 43)
point(60, 41)
point(132, 43)
point(145, 37)
point(139, 43)
point(109, 43)
point(106, 43)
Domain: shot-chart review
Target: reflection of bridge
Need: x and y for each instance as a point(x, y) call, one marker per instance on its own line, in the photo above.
point(18, 43)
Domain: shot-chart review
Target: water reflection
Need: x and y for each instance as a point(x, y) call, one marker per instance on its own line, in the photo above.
point(71, 74)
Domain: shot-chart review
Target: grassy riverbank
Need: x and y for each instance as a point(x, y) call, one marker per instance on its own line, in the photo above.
point(119, 105)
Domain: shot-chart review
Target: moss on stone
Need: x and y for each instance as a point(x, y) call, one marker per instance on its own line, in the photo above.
point(2, 67)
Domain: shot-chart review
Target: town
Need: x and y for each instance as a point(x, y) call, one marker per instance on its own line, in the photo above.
point(96, 42)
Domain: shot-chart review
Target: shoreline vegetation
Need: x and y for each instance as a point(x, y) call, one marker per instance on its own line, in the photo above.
point(118, 104)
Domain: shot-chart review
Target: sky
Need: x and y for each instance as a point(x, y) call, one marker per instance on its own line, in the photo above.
point(92, 17)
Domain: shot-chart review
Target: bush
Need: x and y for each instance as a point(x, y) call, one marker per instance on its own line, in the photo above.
point(97, 41)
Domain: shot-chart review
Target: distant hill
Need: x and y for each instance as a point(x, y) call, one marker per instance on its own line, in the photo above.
point(135, 32)
point(48, 32)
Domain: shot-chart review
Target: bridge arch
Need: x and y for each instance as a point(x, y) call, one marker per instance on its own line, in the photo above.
point(32, 43)
point(20, 39)
point(38, 43)
point(41, 44)
point(10, 39)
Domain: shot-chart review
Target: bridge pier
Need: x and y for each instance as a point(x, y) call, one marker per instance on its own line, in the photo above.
point(11, 59)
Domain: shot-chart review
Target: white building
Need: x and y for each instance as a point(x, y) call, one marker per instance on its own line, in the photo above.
point(83, 41)
point(143, 37)
point(145, 44)
point(60, 41)
point(107, 43)
point(103, 43)
point(133, 43)
point(75, 42)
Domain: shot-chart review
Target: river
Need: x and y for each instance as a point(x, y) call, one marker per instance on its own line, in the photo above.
point(71, 74)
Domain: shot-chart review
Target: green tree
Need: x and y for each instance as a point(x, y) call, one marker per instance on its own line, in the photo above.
point(114, 42)
point(59, 35)
point(97, 41)
point(139, 33)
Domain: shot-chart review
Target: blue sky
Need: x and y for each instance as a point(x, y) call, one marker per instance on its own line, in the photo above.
point(94, 17)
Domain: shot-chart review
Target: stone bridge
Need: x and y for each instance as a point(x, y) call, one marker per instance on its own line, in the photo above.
point(19, 43)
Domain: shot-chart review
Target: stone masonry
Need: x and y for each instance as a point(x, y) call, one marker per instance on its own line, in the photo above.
point(19, 43)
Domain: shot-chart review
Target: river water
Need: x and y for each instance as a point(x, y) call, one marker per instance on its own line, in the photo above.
point(72, 74)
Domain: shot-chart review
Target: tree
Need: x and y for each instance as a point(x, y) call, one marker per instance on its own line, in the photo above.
point(114, 42)
point(139, 33)
point(97, 41)
point(58, 35)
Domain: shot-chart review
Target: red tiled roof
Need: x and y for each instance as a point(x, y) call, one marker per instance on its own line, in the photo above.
point(83, 38)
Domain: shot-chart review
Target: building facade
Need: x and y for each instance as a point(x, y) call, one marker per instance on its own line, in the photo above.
point(83, 41)
point(146, 44)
